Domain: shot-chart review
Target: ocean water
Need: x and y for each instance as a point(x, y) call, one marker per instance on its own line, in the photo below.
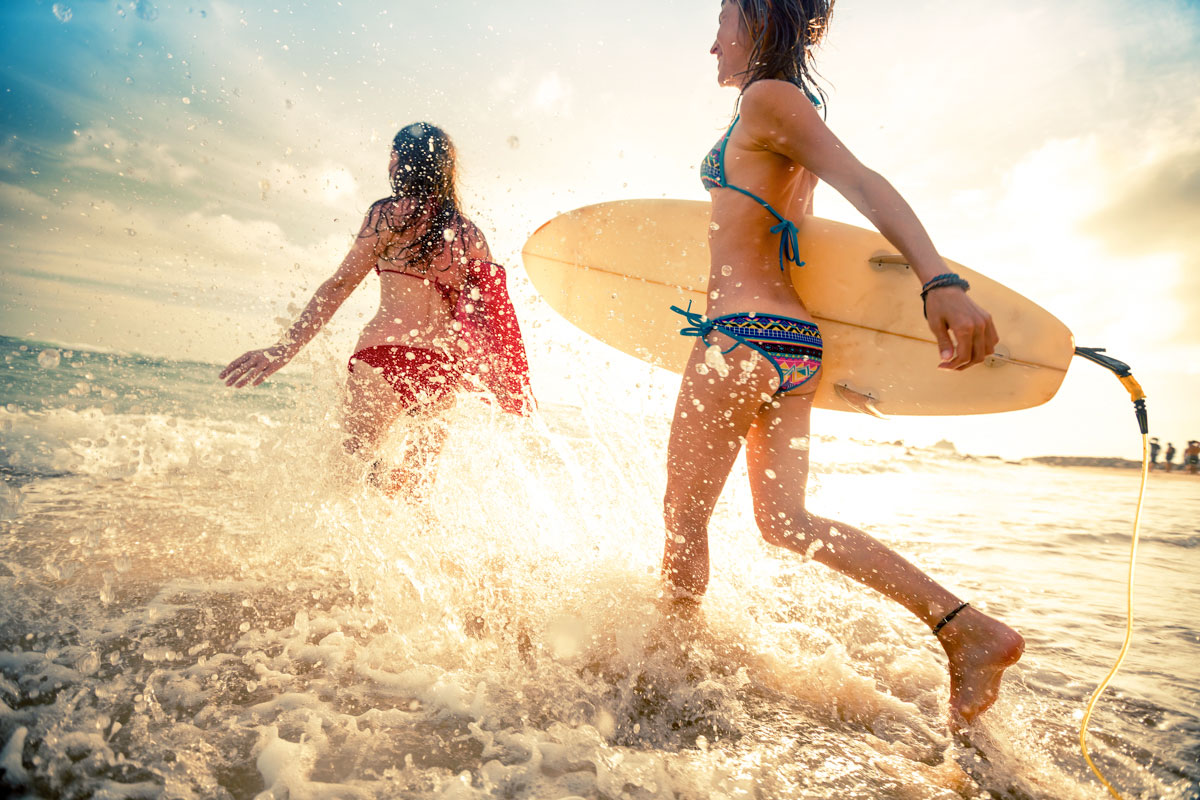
point(200, 599)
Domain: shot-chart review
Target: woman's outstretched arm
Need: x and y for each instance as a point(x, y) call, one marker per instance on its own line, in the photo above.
point(781, 119)
point(254, 367)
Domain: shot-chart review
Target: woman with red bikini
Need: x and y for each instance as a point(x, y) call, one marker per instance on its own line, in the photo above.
point(444, 314)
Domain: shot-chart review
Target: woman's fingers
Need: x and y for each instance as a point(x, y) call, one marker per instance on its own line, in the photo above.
point(972, 328)
point(247, 377)
point(272, 366)
point(974, 347)
point(982, 340)
point(250, 369)
point(233, 365)
point(964, 336)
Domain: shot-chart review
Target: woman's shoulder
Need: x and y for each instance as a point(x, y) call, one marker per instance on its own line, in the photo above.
point(771, 95)
point(770, 107)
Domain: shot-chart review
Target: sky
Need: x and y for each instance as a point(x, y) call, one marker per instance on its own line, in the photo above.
point(177, 178)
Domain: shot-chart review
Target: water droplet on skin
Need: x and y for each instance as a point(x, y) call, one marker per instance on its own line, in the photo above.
point(799, 443)
point(449, 235)
point(727, 270)
point(770, 473)
point(816, 545)
point(187, 101)
point(712, 226)
point(702, 369)
point(715, 359)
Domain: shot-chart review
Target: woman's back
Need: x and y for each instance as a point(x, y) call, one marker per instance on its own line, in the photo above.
point(419, 287)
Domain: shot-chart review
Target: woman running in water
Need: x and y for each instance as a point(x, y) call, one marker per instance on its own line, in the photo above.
point(761, 176)
point(444, 313)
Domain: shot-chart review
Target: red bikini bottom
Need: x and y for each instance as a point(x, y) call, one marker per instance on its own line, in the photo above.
point(417, 375)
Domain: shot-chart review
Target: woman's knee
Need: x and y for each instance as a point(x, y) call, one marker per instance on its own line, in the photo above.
point(794, 530)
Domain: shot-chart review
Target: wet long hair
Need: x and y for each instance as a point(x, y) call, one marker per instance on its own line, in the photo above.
point(424, 195)
point(785, 32)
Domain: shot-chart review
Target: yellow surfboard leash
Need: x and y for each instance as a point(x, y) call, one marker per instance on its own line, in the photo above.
point(1125, 375)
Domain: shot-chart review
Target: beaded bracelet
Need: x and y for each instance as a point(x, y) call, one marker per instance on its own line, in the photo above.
point(940, 282)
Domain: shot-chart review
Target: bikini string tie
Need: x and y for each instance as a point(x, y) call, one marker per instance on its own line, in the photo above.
point(701, 326)
point(789, 243)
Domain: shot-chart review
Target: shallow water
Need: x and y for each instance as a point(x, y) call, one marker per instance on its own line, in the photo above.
point(199, 601)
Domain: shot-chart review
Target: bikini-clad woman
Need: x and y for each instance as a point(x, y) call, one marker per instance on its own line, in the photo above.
point(443, 313)
point(761, 176)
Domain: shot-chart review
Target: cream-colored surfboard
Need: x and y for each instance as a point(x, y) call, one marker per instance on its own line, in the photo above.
point(614, 270)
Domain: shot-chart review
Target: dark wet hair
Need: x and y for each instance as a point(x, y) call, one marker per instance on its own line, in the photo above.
point(424, 194)
point(785, 33)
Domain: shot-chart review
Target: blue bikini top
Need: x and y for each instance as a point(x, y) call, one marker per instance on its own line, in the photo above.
point(712, 175)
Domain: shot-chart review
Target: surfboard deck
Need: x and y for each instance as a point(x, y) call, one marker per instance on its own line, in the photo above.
point(614, 269)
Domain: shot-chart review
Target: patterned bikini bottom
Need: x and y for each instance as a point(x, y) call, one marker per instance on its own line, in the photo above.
point(793, 346)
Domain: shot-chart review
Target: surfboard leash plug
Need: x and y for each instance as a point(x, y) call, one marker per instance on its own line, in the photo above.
point(1125, 376)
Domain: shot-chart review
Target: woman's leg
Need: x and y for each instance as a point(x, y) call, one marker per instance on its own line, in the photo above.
point(713, 413)
point(370, 409)
point(979, 648)
point(414, 475)
point(373, 405)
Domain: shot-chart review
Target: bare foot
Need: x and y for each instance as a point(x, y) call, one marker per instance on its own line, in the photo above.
point(980, 649)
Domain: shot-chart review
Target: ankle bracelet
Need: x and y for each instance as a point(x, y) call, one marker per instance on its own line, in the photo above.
point(946, 619)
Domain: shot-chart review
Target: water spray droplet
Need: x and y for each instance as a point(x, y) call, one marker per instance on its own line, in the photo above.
point(49, 358)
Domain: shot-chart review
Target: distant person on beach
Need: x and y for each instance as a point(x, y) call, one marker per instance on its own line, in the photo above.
point(444, 314)
point(1169, 456)
point(761, 176)
point(1154, 448)
point(1191, 457)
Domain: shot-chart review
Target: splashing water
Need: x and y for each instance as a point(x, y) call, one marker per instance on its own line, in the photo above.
point(203, 599)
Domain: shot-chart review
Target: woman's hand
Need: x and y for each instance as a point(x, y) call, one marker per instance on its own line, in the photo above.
point(254, 367)
point(950, 311)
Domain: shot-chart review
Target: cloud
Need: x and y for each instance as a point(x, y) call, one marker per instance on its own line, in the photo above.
point(107, 150)
point(1151, 214)
point(1158, 212)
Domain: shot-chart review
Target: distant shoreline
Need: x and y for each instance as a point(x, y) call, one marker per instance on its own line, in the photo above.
point(1106, 463)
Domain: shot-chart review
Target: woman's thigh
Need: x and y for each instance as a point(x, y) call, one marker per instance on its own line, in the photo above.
point(371, 405)
point(777, 459)
point(719, 398)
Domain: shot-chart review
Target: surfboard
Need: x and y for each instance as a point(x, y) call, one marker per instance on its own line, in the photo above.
point(614, 269)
